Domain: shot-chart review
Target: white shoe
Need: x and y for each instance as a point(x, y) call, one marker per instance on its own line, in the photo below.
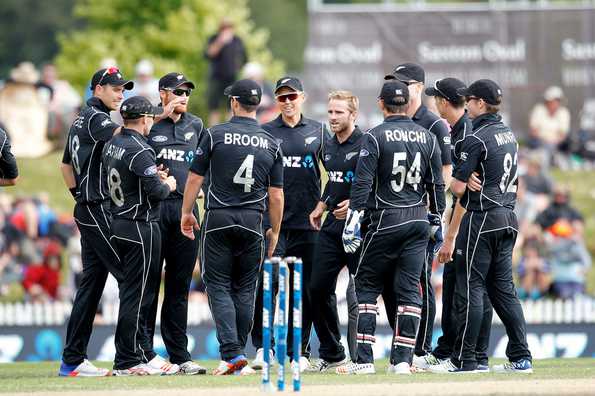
point(85, 369)
point(192, 368)
point(425, 361)
point(304, 363)
point(356, 368)
point(258, 362)
point(447, 367)
point(399, 368)
point(160, 363)
point(523, 366)
point(247, 370)
point(139, 369)
point(321, 365)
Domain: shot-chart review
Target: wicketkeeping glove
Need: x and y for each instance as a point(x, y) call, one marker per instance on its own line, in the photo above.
point(352, 237)
point(436, 231)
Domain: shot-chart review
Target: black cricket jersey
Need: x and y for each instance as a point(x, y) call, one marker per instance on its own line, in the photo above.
point(134, 185)
point(241, 161)
point(458, 133)
point(399, 167)
point(175, 144)
point(8, 164)
point(340, 160)
point(438, 128)
point(303, 147)
point(491, 150)
point(87, 136)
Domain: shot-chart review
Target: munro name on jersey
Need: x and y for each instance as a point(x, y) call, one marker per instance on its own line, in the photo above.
point(505, 138)
point(401, 135)
point(245, 140)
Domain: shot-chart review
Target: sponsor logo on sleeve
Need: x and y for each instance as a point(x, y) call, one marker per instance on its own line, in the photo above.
point(159, 139)
point(151, 170)
point(106, 122)
point(446, 139)
point(364, 153)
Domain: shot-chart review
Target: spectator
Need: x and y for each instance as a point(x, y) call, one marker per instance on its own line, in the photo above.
point(549, 124)
point(267, 110)
point(537, 183)
point(11, 275)
point(145, 83)
point(42, 278)
point(560, 218)
point(226, 54)
point(533, 271)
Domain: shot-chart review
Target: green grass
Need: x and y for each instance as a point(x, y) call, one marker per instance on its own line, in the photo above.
point(37, 377)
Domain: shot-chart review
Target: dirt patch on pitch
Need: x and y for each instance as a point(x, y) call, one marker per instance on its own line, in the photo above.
point(506, 387)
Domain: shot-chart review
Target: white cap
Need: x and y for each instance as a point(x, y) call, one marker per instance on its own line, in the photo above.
point(553, 93)
point(144, 68)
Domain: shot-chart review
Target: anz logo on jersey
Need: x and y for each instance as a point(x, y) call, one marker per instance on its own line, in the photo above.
point(176, 155)
point(341, 177)
point(298, 162)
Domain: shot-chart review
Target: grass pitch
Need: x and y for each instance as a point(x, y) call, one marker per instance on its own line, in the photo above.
point(552, 376)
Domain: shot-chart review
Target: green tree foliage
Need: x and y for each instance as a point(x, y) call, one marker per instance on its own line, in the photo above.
point(171, 33)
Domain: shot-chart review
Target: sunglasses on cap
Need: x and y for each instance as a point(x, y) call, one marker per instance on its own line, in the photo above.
point(289, 96)
point(181, 91)
point(109, 71)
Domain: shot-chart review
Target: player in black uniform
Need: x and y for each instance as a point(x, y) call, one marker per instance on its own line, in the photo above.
point(483, 249)
point(414, 76)
point(451, 106)
point(339, 159)
point(244, 165)
point(175, 139)
point(9, 171)
point(135, 189)
point(302, 141)
point(397, 174)
point(84, 176)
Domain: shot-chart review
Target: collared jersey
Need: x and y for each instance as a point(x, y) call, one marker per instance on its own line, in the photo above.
point(438, 128)
point(340, 161)
point(86, 138)
point(492, 151)
point(303, 147)
point(241, 161)
point(175, 144)
point(134, 185)
point(399, 167)
point(8, 164)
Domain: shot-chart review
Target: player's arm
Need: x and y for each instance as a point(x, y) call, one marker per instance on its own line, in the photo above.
point(472, 152)
point(445, 253)
point(102, 128)
point(68, 172)
point(434, 183)
point(276, 201)
point(316, 215)
point(367, 164)
point(143, 165)
point(440, 130)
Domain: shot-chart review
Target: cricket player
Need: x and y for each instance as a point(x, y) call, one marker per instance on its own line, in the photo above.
point(136, 189)
point(398, 173)
point(302, 141)
point(483, 248)
point(244, 165)
point(175, 139)
point(413, 75)
point(87, 181)
point(340, 159)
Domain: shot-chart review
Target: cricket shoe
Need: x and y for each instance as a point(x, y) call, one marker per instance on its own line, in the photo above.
point(231, 366)
point(191, 368)
point(321, 365)
point(448, 367)
point(356, 368)
point(522, 366)
point(425, 361)
point(166, 367)
point(85, 369)
point(482, 368)
point(399, 368)
point(258, 362)
point(141, 369)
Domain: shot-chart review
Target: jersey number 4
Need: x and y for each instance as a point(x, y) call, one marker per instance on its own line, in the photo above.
point(243, 175)
point(411, 176)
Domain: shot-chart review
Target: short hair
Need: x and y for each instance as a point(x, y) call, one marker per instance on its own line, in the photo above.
point(396, 109)
point(348, 96)
point(457, 102)
point(490, 108)
point(248, 108)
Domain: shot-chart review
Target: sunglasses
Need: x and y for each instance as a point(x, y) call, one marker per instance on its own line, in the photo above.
point(181, 92)
point(284, 97)
point(107, 72)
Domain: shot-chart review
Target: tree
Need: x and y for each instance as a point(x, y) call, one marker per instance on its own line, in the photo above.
point(171, 33)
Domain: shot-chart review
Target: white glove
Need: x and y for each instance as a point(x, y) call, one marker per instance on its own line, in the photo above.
point(352, 237)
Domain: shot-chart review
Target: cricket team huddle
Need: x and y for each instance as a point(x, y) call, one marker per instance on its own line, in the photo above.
point(382, 214)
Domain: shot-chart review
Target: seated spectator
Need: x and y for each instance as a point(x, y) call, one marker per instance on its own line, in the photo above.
point(533, 271)
point(549, 124)
point(560, 210)
point(42, 277)
point(11, 274)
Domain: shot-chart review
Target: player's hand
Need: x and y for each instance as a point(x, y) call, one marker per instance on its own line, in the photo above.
point(168, 109)
point(352, 237)
point(435, 230)
point(474, 182)
point(446, 250)
point(163, 172)
point(316, 218)
point(341, 212)
point(171, 183)
point(272, 239)
point(188, 224)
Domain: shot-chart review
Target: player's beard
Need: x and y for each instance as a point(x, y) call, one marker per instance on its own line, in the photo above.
point(180, 109)
point(340, 128)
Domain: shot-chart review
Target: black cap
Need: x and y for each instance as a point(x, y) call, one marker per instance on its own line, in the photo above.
point(289, 82)
point(174, 80)
point(447, 88)
point(111, 76)
point(137, 107)
point(484, 89)
point(246, 91)
point(394, 92)
point(407, 72)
